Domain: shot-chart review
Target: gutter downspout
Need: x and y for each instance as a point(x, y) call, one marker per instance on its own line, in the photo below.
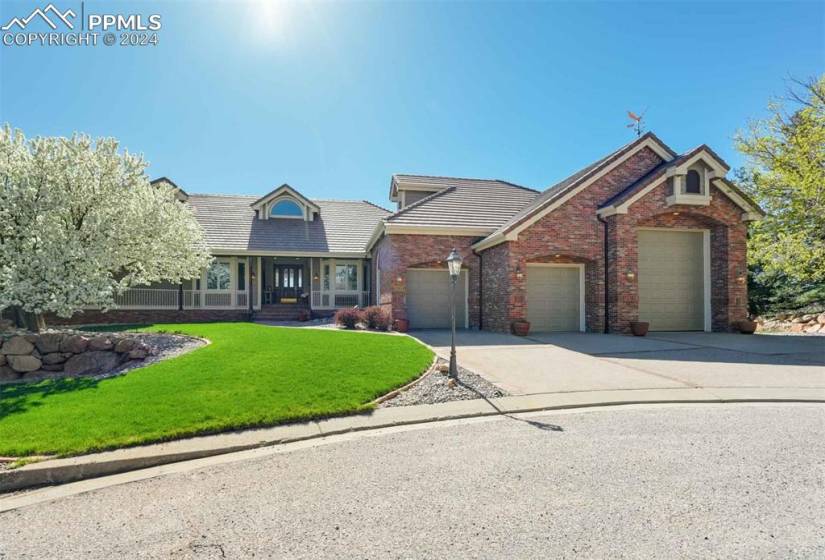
point(606, 276)
point(480, 289)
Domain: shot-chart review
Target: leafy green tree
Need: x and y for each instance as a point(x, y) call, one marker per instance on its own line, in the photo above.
point(785, 174)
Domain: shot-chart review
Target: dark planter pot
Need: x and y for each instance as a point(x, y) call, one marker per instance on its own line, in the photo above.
point(746, 327)
point(401, 325)
point(639, 328)
point(520, 328)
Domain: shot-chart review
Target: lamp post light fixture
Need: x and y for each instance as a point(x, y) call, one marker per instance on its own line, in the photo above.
point(454, 266)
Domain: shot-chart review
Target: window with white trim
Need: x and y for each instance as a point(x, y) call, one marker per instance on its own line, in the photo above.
point(346, 277)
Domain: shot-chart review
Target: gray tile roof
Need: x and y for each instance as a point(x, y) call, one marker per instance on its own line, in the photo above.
point(341, 227)
point(476, 203)
point(573, 180)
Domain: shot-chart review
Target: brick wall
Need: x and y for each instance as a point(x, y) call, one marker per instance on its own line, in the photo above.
point(728, 254)
point(394, 254)
point(124, 316)
point(573, 233)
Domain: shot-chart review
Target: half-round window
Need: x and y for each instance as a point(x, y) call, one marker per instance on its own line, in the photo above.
point(693, 182)
point(286, 208)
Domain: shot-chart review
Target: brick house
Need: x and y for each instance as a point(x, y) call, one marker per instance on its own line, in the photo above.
point(643, 233)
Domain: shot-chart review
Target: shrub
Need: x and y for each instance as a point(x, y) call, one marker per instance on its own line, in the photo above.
point(349, 318)
point(377, 318)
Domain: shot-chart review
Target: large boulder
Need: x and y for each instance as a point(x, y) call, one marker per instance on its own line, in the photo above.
point(139, 352)
point(813, 328)
point(91, 363)
point(76, 344)
point(56, 358)
point(125, 345)
point(821, 319)
point(52, 367)
point(8, 374)
point(6, 325)
point(101, 343)
point(2, 359)
point(23, 364)
point(49, 342)
point(17, 345)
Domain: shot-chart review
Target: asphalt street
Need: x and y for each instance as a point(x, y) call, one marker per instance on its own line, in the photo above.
point(677, 481)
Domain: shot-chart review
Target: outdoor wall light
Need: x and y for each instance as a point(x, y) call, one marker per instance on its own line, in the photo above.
point(556, 256)
point(676, 213)
point(519, 274)
point(399, 279)
point(630, 275)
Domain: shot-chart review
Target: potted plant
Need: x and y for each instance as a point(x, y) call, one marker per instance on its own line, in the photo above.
point(520, 327)
point(401, 325)
point(639, 328)
point(746, 326)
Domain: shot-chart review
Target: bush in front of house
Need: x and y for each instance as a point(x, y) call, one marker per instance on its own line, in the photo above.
point(349, 318)
point(377, 318)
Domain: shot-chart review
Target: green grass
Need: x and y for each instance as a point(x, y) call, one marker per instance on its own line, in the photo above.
point(250, 375)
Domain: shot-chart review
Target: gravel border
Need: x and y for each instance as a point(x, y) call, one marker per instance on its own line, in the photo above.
point(435, 388)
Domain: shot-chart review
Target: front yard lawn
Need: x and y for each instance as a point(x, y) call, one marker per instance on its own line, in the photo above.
point(250, 375)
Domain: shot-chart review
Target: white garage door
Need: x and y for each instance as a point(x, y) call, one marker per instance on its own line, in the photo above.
point(428, 299)
point(554, 298)
point(671, 280)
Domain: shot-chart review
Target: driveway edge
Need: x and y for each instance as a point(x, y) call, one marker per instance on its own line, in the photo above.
point(73, 469)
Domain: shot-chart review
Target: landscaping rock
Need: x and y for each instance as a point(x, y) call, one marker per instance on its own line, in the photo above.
point(91, 363)
point(2, 359)
point(821, 319)
point(23, 364)
point(125, 345)
point(797, 327)
point(52, 367)
point(814, 327)
point(99, 343)
point(8, 374)
point(49, 342)
point(139, 352)
point(56, 358)
point(17, 345)
point(75, 344)
point(6, 325)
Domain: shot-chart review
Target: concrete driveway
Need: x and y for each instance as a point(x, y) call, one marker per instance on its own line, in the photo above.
point(561, 362)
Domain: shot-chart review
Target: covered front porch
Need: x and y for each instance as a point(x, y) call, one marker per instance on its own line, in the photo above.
point(257, 282)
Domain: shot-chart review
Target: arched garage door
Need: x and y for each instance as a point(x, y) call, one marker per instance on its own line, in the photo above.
point(428, 299)
point(672, 279)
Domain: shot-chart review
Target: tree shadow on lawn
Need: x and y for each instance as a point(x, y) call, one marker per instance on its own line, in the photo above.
point(20, 397)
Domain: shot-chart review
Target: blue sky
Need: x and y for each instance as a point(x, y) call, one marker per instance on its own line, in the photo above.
point(240, 97)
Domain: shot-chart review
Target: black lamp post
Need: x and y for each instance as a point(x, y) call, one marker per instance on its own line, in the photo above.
point(454, 265)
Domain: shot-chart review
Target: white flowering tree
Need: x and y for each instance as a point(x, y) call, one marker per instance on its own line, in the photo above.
point(80, 223)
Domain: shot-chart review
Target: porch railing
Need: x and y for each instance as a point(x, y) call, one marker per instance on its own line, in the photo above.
point(151, 298)
point(147, 298)
point(321, 299)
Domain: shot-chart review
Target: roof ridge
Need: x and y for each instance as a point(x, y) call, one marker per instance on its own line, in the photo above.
point(377, 206)
point(225, 195)
point(418, 203)
point(451, 177)
point(518, 186)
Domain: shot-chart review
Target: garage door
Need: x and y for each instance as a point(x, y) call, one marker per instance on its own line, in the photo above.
point(428, 299)
point(671, 280)
point(554, 298)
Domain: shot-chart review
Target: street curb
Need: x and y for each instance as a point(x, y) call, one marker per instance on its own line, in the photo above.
point(61, 471)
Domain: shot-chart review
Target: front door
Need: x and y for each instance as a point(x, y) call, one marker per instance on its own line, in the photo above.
point(289, 282)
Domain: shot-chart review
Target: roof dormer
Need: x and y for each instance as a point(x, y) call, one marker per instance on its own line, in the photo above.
point(407, 189)
point(689, 181)
point(285, 203)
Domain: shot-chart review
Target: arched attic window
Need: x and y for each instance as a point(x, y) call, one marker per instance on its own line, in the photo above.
point(286, 209)
point(693, 182)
